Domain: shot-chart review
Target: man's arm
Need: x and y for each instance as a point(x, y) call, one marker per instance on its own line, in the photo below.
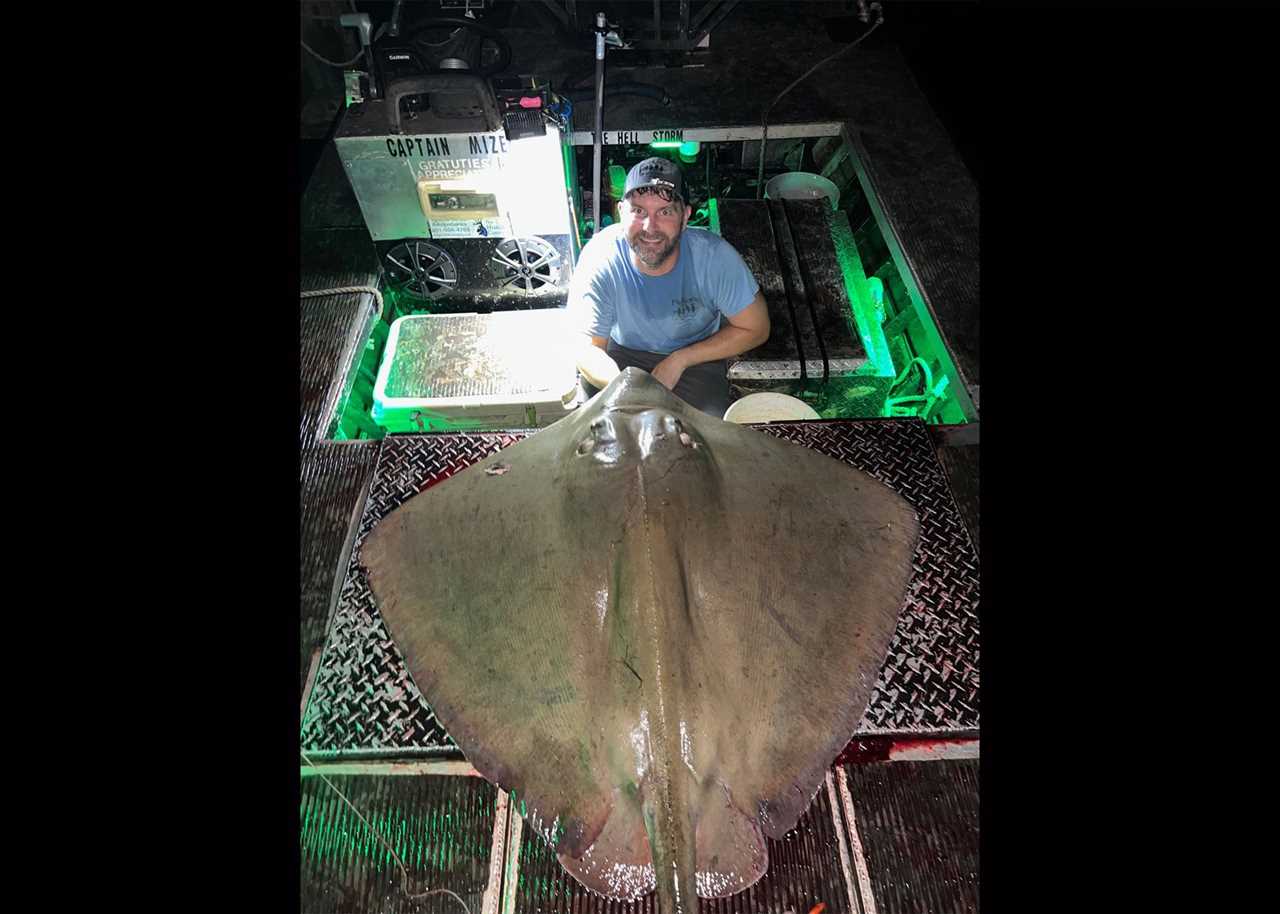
point(595, 364)
point(745, 330)
point(589, 308)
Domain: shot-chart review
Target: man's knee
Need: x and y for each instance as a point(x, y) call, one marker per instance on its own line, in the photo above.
point(711, 405)
point(706, 387)
point(586, 390)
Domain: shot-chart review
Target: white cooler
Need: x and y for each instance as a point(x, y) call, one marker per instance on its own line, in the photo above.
point(455, 372)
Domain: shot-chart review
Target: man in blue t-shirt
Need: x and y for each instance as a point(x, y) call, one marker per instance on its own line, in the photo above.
point(648, 294)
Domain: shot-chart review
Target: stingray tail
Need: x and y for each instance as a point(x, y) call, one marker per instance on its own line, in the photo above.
point(669, 823)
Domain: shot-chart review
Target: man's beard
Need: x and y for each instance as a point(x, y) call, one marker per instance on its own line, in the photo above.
point(651, 255)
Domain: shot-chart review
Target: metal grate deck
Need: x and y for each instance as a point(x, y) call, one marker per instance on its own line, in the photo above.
point(363, 701)
point(364, 704)
point(917, 823)
point(929, 684)
point(332, 329)
point(442, 827)
point(333, 478)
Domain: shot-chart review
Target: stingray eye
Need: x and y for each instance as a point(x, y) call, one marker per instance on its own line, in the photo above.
point(585, 445)
point(602, 430)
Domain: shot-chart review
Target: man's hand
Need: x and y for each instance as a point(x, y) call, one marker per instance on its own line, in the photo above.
point(668, 371)
point(745, 330)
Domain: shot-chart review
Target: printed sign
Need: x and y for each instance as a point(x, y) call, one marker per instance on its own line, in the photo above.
point(439, 157)
point(468, 228)
point(477, 185)
point(636, 137)
point(482, 144)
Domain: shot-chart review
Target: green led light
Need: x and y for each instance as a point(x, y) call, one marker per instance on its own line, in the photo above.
point(617, 181)
point(688, 148)
point(862, 300)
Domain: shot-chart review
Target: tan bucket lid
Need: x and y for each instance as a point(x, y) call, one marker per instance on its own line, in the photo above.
point(768, 407)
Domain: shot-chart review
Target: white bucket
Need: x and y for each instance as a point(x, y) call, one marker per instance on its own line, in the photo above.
point(801, 185)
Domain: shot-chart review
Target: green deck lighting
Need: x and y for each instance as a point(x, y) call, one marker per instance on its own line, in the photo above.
point(617, 181)
point(689, 149)
point(862, 300)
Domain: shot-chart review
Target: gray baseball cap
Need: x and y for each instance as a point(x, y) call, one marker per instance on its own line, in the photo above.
point(656, 172)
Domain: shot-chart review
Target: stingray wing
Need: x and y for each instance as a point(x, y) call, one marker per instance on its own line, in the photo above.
point(490, 583)
point(796, 578)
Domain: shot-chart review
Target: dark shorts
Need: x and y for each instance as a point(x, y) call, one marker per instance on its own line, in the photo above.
point(705, 386)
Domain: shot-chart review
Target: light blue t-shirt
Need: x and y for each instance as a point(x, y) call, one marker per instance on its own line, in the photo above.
point(608, 296)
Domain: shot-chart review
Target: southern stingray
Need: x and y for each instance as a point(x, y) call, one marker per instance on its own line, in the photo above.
point(657, 627)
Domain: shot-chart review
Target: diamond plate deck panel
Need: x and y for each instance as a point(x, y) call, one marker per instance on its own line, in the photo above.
point(442, 827)
point(363, 701)
point(929, 683)
point(804, 869)
point(961, 466)
point(918, 824)
point(332, 479)
point(332, 330)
